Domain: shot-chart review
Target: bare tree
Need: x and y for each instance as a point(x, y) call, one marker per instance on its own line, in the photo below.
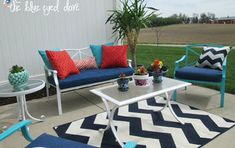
point(157, 31)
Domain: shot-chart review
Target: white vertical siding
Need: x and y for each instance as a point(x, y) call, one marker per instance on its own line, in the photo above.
point(22, 34)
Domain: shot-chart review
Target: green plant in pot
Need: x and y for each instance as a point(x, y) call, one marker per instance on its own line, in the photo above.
point(123, 82)
point(128, 21)
point(18, 77)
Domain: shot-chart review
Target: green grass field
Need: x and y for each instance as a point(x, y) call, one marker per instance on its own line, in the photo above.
point(146, 55)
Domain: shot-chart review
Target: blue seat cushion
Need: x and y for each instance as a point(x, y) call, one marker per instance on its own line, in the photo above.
point(92, 76)
point(199, 74)
point(49, 141)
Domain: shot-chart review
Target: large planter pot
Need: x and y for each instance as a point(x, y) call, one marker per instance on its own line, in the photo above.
point(123, 84)
point(157, 76)
point(141, 80)
point(18, 80)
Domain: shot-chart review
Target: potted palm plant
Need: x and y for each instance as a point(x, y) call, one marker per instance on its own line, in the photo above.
point(128, 21)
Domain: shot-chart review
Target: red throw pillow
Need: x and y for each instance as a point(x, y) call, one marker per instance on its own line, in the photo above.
point(61, 61)
point(114, 56)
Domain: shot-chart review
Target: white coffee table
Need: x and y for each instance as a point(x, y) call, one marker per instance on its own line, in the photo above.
point(135, 94)
point(6, 90)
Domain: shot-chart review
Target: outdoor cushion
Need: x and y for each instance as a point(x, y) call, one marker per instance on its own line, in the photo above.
point(199, 74)
point(92, 76)
point(213, 57)
point(88, 63)
point(48, 141)
point(62, 62)
point(45, 58)
point(97, 52)
point(114, 56)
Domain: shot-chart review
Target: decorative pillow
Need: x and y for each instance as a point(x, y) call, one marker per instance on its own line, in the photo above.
point(213, 57)
point(88, 63)
point(44, 57)
point(97, 52)
point(114, 56)
point(61, 61)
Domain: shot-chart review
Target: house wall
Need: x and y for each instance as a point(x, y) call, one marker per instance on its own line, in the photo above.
point(22, 33)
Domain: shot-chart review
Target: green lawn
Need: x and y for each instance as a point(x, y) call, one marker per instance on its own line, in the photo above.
point(146, 55)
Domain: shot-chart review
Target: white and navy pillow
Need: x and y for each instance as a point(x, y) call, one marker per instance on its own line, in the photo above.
point(213, 57)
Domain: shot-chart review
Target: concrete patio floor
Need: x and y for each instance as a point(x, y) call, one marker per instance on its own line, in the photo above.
point(81, 103)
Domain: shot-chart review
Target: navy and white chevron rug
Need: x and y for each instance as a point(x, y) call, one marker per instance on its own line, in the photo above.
point(137, 122)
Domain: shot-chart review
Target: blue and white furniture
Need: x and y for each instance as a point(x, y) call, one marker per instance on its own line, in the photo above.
point(86, 78)
point(193, 74)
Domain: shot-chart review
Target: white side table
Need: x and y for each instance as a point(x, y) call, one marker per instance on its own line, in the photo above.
point(6, 90)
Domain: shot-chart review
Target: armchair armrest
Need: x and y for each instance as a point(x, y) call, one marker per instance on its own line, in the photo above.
point(129, 62)
point(20, 125)
point(49, 72)
point(179, 61)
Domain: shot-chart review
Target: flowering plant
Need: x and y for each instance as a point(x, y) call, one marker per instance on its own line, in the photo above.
point(157, 66)
point(141, 71)
point(122, 76)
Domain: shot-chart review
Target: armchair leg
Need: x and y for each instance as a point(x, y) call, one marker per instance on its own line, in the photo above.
point(26, 134)
point(175, 95)
point(58, 96)
point(47, 89)
point(222, 89)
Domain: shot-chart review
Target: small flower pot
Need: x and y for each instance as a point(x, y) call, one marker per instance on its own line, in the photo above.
point(141, 80)
point(123, 84)
point(157, 76)
point(18, 80)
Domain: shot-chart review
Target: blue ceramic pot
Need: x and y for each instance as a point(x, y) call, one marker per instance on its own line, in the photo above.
point(123, 84)
point(157, 76)
point(18, 80)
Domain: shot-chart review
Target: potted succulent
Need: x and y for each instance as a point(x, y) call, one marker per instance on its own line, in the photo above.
point(141, 76)
point(123, 82)
point(157, 70)
point(18, 77)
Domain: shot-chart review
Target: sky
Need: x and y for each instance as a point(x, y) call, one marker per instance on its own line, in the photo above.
point(221, 8)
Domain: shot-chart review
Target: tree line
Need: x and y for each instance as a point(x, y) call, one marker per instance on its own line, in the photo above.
point(181, 19)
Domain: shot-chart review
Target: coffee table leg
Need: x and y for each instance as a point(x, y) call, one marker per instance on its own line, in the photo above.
point(108, 114)
point(171, 110)
point(110, 123)
point(113, 127)
point(158, 110)
point(27, 112)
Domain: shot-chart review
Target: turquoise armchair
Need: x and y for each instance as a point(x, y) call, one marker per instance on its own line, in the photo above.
point(46, 140)
point(193, 74)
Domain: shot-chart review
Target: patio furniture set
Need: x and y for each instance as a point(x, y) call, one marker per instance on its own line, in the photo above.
point(64, 81)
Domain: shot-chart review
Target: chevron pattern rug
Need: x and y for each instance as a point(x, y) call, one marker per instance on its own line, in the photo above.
point(137, 122)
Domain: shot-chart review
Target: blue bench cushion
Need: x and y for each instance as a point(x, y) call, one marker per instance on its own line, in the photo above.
point(199, 74)
point(49, 141)
point(92, 76)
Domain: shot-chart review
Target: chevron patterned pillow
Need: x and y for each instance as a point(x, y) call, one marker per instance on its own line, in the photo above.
point(213, 57)
point(88, 63)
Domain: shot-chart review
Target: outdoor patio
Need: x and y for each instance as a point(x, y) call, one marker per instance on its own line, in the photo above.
point(81, 103)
